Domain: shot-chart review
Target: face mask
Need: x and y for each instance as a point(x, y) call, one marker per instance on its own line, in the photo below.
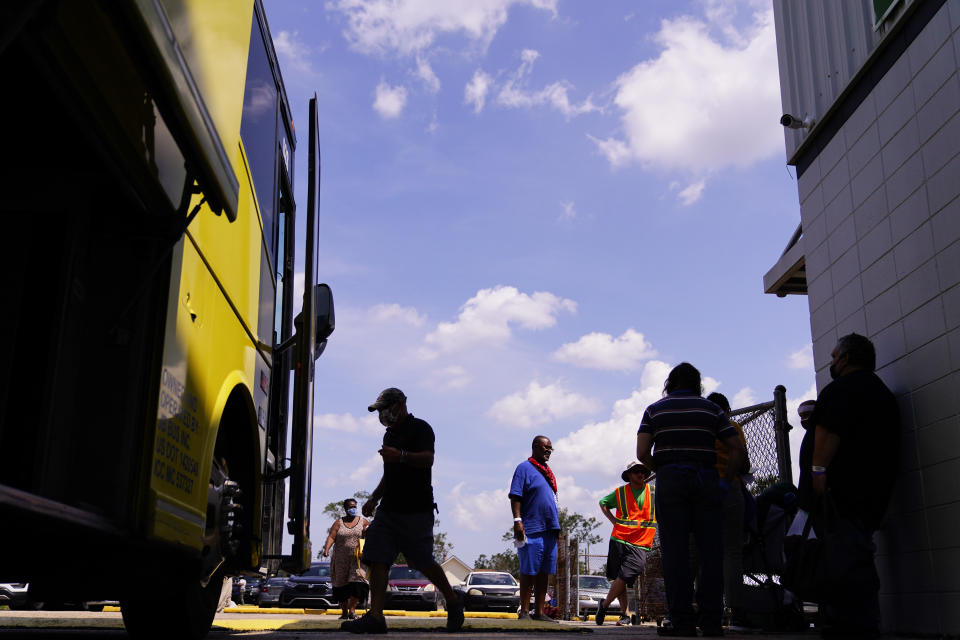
point(352, 511)
point(389, 418)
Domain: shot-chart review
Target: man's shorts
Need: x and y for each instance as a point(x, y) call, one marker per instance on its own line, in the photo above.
point(625, 561)
point(407, 533)
point(539, 555)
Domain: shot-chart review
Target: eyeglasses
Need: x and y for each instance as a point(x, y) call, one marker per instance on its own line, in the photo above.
point(638, 470)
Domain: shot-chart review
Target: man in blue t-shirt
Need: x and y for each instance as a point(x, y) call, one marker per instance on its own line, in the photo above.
point(536, 524)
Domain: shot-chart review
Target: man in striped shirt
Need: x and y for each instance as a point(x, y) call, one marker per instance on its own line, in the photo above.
point(682, 429)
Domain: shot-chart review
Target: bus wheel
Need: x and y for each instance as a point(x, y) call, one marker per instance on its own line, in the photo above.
point(189, 610)
point(187, 614)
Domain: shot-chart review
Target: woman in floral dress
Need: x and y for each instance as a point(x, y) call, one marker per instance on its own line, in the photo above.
point(346, 573)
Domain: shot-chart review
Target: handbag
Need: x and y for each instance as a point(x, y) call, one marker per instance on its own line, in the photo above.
point(825, 569)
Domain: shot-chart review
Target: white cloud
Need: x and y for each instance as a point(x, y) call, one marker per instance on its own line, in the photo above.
point(478, 511)
point(475, 93)
point(539, 404)
point(406, 27)
point(426, 74)
point(348, 423)
point(449, 378)
point(367, 469)
point(569, 211)
point(802, 358)
point(293, 51)
point(605, 447)
point(514, 94)
point(691, 193)
point(487, 318)
point(743, 398)
point(396, 313)
point(711, 99)
point(709, 385)
point(603, 351)
point(389, 101)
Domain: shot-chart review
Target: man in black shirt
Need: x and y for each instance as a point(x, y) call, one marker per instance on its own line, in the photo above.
point(404, 522)
point(855, 456)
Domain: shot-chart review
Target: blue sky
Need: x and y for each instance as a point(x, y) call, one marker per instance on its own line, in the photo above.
point(530, 211)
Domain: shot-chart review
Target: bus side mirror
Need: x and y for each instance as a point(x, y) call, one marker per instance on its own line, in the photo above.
point(326, 321)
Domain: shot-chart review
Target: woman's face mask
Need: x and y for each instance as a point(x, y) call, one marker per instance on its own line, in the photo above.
point(352, 511)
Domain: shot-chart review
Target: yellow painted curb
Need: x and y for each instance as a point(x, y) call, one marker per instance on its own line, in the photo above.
point(395, 613)
point(253, 624)
point(111, 608)
point(271, 610)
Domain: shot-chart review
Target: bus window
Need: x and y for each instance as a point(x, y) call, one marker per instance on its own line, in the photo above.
point(258, 129)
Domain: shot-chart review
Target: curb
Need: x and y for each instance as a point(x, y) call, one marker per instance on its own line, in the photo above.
point(400, 613)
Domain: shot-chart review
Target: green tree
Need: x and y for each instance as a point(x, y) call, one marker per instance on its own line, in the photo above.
point(579, 527)
point(442, 547)
point(503, 561)
point(335, 509)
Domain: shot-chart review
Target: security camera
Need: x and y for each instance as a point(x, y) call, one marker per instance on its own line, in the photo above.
point(793, 122)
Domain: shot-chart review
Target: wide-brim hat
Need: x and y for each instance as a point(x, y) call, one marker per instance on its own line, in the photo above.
point(635, 463)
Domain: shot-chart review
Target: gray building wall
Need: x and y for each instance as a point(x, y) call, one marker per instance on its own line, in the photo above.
point(880, 211)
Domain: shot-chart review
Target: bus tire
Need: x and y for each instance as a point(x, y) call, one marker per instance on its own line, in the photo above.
point(188, 615)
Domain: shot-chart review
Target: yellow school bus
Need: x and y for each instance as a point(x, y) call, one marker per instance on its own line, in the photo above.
point(155, 388)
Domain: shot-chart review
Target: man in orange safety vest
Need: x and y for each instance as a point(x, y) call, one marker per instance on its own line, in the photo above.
point(633, 529)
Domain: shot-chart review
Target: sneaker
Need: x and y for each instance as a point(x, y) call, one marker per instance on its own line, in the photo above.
point(368, 623)
point(455, 614)
point(523, 614)
point(624, 621)
point(601, 614)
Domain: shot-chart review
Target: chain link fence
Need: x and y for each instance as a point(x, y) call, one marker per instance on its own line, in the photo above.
point(766, 430)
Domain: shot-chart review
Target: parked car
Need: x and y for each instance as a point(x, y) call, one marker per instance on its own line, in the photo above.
point(593, 589)
point(270, 590)
point(488, 590)
point(312, 588)
point(251, 590)
point(407, 588)
point(14, 595)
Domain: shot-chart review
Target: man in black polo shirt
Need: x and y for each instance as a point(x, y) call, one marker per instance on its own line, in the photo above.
point(682, 428)
point(855, 456)
point(404, 522)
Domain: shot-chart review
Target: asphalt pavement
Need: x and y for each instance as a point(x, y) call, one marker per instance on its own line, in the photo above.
point(74, 625)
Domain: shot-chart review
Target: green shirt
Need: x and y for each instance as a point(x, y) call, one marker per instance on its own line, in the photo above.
point(610, 501)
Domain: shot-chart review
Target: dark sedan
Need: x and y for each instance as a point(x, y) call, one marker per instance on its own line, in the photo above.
point(311, 589)
point(270, 591)
point(490, 590)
